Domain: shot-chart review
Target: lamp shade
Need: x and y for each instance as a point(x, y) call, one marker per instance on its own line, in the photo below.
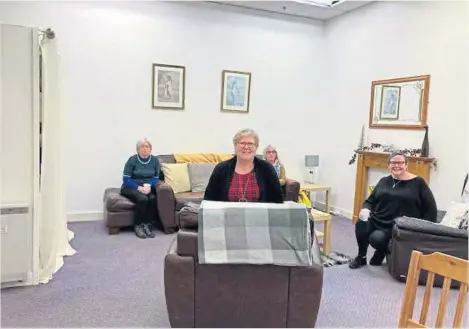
point(311, 160)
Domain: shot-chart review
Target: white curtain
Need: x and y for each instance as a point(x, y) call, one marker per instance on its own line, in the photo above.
point(54, 235)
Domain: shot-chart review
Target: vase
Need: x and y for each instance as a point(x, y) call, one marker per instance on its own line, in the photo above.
point(425, 145)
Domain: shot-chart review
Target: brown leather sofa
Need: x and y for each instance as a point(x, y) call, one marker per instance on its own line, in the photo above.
point(235, 296)
point(118, 211)
point(413, 234)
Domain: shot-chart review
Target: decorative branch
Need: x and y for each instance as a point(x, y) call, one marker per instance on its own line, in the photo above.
point(386, 149)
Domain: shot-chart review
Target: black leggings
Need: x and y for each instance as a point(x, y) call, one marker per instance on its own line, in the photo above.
point(146, 210)
point(368, 234)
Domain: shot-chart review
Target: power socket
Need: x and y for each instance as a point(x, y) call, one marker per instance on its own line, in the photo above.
point(4, 229)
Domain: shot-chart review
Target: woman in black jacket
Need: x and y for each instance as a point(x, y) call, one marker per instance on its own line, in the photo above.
point(244, 178)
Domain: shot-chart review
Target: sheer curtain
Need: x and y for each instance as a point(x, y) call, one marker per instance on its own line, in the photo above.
point(54, 235)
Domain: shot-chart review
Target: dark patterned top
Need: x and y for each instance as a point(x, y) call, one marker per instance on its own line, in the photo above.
point(244, 186)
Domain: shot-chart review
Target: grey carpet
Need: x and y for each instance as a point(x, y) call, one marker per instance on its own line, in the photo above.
point(117, 281)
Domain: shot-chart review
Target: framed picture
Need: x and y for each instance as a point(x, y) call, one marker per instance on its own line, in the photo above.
point(390, 100)
point(399, 103)
point(168, 86)
point(235, 91)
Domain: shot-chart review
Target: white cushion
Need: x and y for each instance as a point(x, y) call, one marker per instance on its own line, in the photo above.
point(455, 214)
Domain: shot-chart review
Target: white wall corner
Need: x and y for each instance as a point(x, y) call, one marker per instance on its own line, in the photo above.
point(84, 216)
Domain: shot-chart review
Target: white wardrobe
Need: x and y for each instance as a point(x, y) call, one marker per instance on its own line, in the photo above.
point(19, 153)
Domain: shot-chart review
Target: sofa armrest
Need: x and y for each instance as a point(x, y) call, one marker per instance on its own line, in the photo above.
point(166, 202)
point(292, 190)
point(179, 285)
point(414, 234)
point(305, 292)
point(423, 227)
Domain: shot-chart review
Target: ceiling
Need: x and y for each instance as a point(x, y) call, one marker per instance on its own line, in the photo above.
point(316, 9)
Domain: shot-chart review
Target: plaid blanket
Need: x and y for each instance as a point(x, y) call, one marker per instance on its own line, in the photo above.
point(254, 233)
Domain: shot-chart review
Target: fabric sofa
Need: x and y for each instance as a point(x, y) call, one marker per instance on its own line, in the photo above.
point(230, 295)
point(183, 179)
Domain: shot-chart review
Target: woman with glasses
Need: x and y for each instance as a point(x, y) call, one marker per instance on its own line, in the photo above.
point(399, 194)
point(141, 173)
point(245, 177)
point(271, 155)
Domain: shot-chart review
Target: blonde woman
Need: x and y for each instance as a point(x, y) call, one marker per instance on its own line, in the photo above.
point(244, 178)
point(271, 155)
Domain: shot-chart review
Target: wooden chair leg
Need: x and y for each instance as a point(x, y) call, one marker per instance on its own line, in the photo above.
point(114, 230)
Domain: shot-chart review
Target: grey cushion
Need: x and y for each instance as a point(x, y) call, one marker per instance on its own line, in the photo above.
point(199, 174)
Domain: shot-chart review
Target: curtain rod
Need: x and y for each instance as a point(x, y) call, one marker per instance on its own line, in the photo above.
point(48, 33)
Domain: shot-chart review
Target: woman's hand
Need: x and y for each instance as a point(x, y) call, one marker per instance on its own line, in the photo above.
point(364, 214)
point(143, 189)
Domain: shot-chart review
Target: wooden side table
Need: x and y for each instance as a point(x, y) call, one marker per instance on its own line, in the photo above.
point(321, 216)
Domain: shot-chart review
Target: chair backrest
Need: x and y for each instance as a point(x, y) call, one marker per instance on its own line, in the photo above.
point(449, 267)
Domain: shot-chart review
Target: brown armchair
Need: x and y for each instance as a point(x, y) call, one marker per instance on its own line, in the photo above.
point(220, 296)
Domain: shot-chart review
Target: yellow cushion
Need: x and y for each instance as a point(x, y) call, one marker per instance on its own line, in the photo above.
point(176, 175)
point(195, 158)
point(223, 157)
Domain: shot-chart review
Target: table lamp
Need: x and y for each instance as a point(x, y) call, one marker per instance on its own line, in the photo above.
point(311, 161)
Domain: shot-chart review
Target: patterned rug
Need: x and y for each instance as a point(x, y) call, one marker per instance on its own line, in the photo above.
point(335, 258)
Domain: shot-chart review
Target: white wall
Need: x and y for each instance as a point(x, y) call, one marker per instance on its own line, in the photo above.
point(107, 51)
point(397, 39)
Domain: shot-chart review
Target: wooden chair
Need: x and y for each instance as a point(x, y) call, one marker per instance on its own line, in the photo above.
point(449, 267)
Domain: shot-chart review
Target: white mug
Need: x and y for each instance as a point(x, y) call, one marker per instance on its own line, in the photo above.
point(146, 185)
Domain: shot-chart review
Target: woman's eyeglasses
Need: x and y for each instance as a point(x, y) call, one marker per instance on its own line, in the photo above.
point(244, 144)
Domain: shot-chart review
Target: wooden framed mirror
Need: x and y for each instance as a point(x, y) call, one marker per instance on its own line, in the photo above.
point(399, 103)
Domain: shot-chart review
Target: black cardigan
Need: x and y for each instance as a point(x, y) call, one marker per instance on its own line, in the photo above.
point(269, 185)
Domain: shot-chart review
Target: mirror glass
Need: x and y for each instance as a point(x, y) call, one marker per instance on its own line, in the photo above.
point(399, 103)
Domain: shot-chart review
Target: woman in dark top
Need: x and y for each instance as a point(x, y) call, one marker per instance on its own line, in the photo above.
point(399, 194)
point(141, 174)
point(244, 178)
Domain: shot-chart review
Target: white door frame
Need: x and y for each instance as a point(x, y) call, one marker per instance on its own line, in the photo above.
point(36, 209)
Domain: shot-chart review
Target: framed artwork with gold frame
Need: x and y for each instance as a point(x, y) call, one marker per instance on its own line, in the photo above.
point(400, 103)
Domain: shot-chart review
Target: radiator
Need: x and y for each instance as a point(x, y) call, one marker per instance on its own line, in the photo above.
point(16, 243)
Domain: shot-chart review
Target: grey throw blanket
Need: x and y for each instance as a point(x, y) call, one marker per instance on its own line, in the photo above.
point(191, 207)
point(254, 233)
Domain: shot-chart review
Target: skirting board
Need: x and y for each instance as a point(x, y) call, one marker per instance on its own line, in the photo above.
point(334, 210)
point(84, 216)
